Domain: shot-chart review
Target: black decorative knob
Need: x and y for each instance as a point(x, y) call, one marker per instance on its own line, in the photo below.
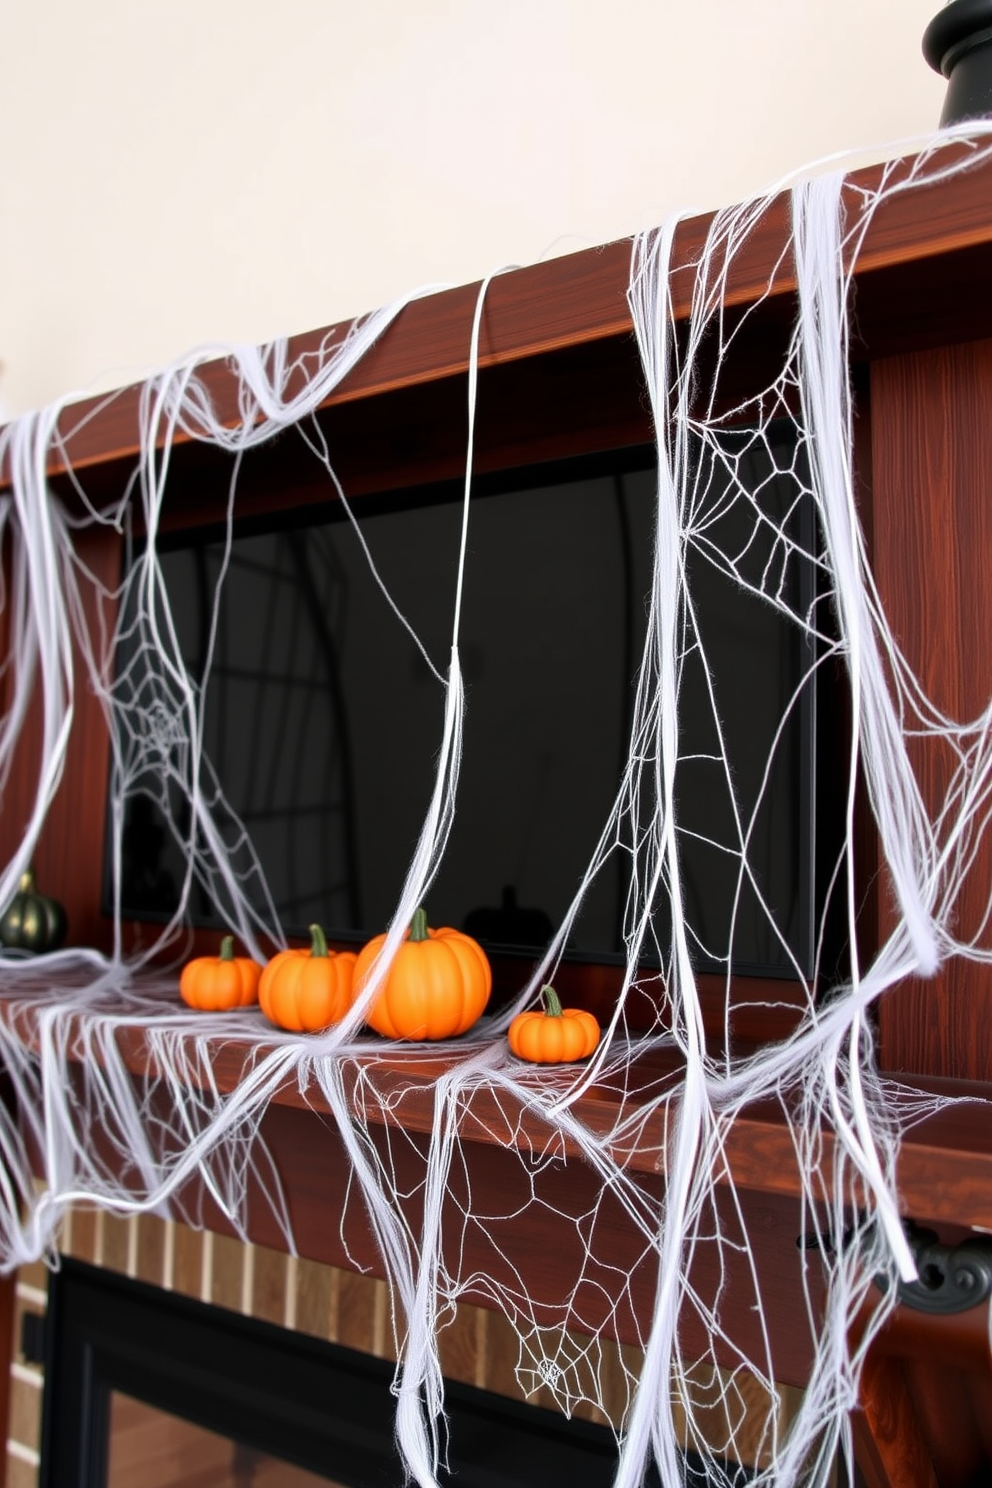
point(958, 43)
point(951, 1278)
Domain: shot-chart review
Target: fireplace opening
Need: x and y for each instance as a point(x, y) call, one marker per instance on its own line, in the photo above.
point(148, 1446)
point(145, 1388)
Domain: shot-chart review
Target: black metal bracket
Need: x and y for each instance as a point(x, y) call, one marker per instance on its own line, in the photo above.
point(951, 1278)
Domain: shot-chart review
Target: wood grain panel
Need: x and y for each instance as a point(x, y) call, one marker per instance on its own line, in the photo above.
point(953, 1409)
point(82, 1235)
point(69, 856)
point(926, 1393)
point(890, 1448)
point(932, 458)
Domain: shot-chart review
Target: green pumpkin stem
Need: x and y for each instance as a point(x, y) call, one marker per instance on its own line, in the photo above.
point(418, 925)
point(318, 941)
point(552, 1002)
point(227, 948)
point(25, 884)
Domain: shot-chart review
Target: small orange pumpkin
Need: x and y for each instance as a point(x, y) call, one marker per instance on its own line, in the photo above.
point(437, 987)
point(213, 984)
point(306, 990)
point(555, 1036)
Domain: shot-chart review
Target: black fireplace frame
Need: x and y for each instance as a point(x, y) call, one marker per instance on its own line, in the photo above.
point(318, 1405)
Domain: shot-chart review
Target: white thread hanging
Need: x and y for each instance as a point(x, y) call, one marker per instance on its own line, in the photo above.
point(69, 1008)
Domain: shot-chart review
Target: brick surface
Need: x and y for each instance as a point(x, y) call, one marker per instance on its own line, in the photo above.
point(82, 1237)
point(20, 1474)
point(502, 1352)
point(187, 1265)
point(269, 1286)
point(20, 1308)
point(116, 1243)
point(458, 1344)
point(35, 1274)
point(152, 1233)
point(357, 1301)
point(226, 1272)
point(478, 1347)
point(24, 1425)
point(316, 1298)
point(615, 1367)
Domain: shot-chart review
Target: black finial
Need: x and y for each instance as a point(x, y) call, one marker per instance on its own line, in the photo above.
point(958, 43)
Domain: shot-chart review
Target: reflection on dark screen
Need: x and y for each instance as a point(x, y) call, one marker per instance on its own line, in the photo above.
point(324, 719)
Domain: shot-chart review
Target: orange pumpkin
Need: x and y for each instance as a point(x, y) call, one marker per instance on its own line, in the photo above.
point(213, 984)
point(555, 1036)
point(436, 988)
point(306, 990)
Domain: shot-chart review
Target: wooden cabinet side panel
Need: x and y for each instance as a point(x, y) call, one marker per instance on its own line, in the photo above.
point(69, 856)
point(932, 542)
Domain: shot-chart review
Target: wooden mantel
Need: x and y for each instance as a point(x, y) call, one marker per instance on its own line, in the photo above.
point(945, 1179)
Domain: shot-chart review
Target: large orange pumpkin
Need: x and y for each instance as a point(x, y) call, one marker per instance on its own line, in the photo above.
point(213, 984)
point(555, 1036)
point(306, 990)
point(437, 986)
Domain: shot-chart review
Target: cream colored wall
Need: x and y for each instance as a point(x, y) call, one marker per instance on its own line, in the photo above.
point(175, 171)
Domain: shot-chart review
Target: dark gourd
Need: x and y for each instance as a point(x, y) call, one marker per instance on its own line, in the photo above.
point(32, 921)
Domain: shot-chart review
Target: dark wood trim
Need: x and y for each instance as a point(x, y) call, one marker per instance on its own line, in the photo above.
point(945, 1164)
point(888, 1443)
point(931, 455)
point(70, 850)
point(926, 1398)
point(945, 1175)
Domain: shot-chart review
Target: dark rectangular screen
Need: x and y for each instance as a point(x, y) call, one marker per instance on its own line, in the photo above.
point(323, 719)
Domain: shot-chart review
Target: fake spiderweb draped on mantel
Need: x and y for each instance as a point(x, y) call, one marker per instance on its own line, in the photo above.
point(717, 462)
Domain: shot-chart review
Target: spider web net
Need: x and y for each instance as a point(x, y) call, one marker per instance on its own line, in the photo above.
point(632, 1162)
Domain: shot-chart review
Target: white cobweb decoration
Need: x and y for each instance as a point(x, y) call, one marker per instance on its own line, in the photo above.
point(683, 1382)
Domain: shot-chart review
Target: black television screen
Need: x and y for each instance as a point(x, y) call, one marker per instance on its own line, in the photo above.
point(323, 719)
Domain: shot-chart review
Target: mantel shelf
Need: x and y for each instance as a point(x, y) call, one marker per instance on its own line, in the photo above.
point(944, 1166)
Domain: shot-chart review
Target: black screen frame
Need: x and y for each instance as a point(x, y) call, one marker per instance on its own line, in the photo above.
point(817, 849)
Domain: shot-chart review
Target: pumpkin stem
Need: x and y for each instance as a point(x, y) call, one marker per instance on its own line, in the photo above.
point(318, 941)
point(552, 1002)
point(418, 925)
point(25, 884)
point(227, 948)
